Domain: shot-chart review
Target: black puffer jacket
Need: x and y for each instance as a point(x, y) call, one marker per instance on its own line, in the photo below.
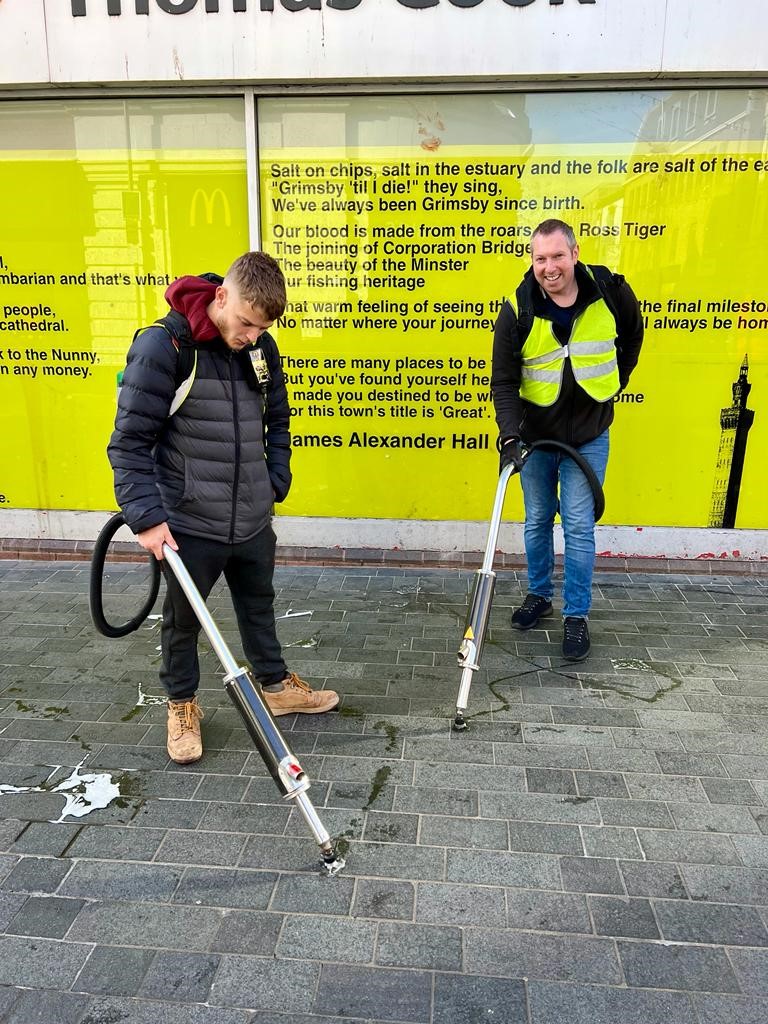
point(216, 466)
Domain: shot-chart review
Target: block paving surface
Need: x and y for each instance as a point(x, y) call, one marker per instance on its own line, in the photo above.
point(592, 850)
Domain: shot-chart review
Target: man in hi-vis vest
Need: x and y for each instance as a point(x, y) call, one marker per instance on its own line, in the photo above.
point(564, 345)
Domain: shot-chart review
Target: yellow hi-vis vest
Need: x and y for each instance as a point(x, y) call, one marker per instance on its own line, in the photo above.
point(592, 350)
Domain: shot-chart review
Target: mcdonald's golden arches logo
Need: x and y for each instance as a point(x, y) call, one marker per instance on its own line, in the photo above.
point(208, 202)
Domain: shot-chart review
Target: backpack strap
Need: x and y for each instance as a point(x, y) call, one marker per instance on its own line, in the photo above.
point(176, 326)
point(524, 311)
point(609, 285)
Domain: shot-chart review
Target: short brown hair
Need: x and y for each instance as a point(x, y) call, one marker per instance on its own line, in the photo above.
point(549, 227)
point(260, 282)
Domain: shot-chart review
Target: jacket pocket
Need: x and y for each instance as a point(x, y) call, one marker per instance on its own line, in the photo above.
point(191, 487)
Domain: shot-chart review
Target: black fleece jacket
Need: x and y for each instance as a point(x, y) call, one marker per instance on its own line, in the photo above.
point(575, 418)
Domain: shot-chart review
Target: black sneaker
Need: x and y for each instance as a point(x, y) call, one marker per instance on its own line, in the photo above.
point(530, 611)
point(575, 639)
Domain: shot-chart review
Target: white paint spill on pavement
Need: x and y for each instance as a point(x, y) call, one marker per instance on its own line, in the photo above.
point(83, 792)
point(86, 792)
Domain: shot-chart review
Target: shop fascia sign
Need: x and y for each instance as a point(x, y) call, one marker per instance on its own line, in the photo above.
point(82, 8)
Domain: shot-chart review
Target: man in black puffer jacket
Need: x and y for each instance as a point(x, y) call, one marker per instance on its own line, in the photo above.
point(198, 466)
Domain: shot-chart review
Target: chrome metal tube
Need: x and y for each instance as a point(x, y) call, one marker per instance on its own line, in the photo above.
point(258, 719)
point(200, 609)
point(476, 625)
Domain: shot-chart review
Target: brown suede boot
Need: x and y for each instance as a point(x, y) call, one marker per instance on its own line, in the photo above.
point(184, 741)
point(298, 697)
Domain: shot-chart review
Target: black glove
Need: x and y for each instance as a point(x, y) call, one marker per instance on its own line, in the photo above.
point(510, 451)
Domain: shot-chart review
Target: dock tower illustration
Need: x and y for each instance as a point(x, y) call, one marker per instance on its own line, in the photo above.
point(735, 423)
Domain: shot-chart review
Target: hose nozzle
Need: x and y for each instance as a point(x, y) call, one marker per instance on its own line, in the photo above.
point(331, 863)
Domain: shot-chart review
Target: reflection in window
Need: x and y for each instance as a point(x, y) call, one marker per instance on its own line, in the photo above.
point(693, 104)
point(674, 127)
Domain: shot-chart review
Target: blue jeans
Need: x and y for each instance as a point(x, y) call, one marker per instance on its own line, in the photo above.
point(541, 472)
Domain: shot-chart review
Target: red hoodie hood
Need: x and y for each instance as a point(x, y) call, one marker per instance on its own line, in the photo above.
point(191, 296)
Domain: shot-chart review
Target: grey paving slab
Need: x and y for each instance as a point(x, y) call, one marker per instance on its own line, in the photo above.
point(708, 818)
point(713, 1009)
point(610, 842)
point(489, 867)
point(114, 970)
point(532, 910)
point(328, 939)
point(751, 966)
point(718, 924)
point(388, 860)
point(593, 848)
point(182, 977)
point(35, 874)
point(591, 1004)
point(701, 968)
point(387, 900)
point(753, 850)
point(538, 807)
point(419, 946)
point(62, 1007)
point(117, 880)
point(145, 1011)
point(48, 916)
point(532, 837)
point(591, 875)
point(247, 931)
point(623, 916)
point(726, 884)
point(10, 903)
point(467, 999)
point(687, 847)
point(36, 962)
point(146, 925)
point(312, 894)
point(513, 954)
point(442, 903)
point(392, 994)
point(225, 887)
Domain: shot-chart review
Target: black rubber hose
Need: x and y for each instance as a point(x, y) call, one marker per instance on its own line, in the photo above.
point(584, 466)
point(96, 592)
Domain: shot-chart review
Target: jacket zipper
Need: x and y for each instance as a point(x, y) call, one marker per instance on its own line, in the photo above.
point(236, 424)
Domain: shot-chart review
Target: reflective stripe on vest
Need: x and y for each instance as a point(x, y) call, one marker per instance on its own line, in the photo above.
point(592, 351)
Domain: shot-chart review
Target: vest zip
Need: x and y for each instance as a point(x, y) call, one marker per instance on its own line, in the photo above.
point(574, 383)
point(236, 424)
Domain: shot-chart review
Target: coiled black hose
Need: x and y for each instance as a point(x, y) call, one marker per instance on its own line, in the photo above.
point(584, 466)
point(96, 590)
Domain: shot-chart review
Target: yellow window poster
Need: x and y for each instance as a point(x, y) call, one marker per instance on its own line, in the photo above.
point(403, 224)
point(102, 204)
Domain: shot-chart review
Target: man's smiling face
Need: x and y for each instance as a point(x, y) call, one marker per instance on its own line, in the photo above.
point(554, 263)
